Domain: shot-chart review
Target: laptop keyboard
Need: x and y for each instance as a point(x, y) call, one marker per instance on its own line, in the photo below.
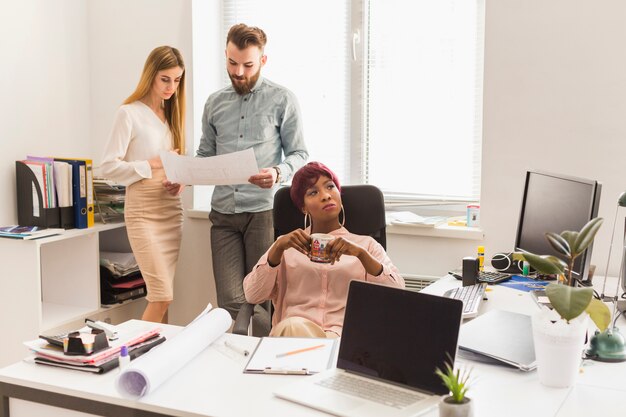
point(471, 296)
point(380, 393)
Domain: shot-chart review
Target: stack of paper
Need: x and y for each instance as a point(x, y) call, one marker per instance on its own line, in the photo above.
point(119, 263)
point(138, 336)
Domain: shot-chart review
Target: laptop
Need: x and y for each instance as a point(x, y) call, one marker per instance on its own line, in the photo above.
point(499, 336)
point(393, 340)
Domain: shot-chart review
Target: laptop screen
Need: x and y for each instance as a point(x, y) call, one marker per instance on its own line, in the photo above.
point(399, 336)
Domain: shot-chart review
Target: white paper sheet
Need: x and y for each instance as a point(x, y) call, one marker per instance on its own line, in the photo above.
point(232, 168)
point(148, 372)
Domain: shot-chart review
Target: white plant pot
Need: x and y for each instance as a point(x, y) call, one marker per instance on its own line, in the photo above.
point(558, 347)
point(448, 408)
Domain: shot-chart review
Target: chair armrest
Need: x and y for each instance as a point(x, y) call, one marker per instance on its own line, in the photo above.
point(242, 322)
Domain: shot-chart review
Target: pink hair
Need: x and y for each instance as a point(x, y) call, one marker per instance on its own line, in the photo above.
point(305, 177)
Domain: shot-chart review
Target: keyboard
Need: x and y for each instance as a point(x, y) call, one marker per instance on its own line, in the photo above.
point(472, 296)
point(493, 277)
point(380, 393)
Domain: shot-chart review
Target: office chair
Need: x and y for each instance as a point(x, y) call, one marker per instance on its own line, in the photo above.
point(364, 208)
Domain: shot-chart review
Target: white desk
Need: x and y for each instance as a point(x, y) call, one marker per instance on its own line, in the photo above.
point(213, 385)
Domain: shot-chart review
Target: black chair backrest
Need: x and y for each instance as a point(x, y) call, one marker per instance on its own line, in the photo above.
point(364, 207)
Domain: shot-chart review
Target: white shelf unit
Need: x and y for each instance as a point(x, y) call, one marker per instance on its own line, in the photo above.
point(52, 282)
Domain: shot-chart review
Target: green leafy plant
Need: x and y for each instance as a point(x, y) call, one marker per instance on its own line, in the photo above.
point(456, 382)
point(568, 301)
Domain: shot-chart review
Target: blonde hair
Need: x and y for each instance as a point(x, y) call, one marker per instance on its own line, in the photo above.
point(162, 58)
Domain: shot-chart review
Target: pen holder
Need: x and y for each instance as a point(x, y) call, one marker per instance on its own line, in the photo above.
point(75, 345)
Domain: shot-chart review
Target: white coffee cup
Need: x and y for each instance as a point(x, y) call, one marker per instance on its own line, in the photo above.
point(319, 251)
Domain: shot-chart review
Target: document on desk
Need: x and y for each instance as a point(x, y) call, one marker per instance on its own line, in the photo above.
point(408, 218)
point(148, 372)
point(292, 355)
point(232, 168)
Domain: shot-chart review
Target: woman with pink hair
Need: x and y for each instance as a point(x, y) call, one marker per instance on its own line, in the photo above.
point(310, 298)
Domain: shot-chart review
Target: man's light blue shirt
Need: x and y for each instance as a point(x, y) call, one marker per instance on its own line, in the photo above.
point(268, 120)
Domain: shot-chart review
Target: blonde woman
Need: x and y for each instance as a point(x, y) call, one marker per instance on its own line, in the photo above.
point(151, 120)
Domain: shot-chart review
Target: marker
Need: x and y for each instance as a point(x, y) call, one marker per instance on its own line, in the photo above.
point(293, 352)
point(236, 348)
point(481, 258)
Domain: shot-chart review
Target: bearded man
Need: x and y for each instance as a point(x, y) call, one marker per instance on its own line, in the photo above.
point(252, 112)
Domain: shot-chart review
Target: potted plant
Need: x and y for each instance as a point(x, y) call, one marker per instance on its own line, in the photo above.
point(457, 404)
point(559, 333)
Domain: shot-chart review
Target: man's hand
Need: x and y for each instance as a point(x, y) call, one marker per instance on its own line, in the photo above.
point(266, 178)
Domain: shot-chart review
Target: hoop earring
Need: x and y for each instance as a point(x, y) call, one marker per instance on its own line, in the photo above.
point(343, 221)
point(306, 215)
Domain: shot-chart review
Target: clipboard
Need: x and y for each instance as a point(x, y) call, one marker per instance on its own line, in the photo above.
point(291, 356)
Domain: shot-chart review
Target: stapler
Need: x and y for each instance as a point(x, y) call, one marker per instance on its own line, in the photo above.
point(108, 329)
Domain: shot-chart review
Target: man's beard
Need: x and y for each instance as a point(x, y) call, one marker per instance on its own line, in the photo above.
point(246, 87)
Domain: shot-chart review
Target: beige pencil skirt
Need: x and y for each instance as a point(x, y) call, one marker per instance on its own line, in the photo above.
point(154, 223)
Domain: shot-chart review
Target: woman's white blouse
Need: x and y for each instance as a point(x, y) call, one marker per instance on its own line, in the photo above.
point(137, 136)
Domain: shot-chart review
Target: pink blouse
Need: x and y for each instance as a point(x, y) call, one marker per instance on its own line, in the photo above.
point(316, 291)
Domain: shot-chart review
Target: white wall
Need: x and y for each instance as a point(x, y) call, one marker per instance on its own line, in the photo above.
point(45, 84)
point(555, 100)
point(121, 35)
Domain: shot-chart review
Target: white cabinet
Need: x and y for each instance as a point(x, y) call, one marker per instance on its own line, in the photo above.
point(51, 283)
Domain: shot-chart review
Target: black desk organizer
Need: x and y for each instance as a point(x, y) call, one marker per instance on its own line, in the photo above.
point(26, 181)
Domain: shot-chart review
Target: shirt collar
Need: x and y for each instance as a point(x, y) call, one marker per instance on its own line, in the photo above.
point(258, 85)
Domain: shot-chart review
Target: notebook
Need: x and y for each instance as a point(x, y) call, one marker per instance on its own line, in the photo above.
point(392, 342)
point(502, 336)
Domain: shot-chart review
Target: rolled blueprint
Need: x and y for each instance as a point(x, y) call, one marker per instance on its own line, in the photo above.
point(148, 372)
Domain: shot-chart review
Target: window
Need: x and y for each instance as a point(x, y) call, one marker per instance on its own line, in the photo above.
point(390, 90)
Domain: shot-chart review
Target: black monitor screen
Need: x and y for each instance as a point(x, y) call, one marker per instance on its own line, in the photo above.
point(554, 203)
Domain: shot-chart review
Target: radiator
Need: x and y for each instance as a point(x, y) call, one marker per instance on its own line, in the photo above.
point(417, 282)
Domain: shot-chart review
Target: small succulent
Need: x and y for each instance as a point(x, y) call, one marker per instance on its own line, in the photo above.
point(455, 381)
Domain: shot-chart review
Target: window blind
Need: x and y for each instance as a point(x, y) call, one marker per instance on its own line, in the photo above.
point(307, 50)
point(423, 98)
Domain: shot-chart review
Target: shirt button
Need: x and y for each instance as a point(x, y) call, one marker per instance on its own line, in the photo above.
point(242, 117)
point(236, 189)
point(245, 99)
point(241, 136)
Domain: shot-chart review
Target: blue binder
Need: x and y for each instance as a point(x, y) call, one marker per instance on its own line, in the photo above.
point(79, 191)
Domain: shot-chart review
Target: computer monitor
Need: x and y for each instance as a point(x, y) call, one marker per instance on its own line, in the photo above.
point(554, 203)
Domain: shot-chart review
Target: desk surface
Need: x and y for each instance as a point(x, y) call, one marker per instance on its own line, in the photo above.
point(211, 384)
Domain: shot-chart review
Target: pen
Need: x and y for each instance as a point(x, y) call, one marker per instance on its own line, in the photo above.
point(236, 348)
point(293, 352)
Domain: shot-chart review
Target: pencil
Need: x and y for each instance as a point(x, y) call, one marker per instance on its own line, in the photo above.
point(293, 352)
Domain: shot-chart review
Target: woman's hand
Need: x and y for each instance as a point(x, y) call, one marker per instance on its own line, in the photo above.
point(340, 246)
point(155, 163)
point(298, 239)
point(173, 188)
